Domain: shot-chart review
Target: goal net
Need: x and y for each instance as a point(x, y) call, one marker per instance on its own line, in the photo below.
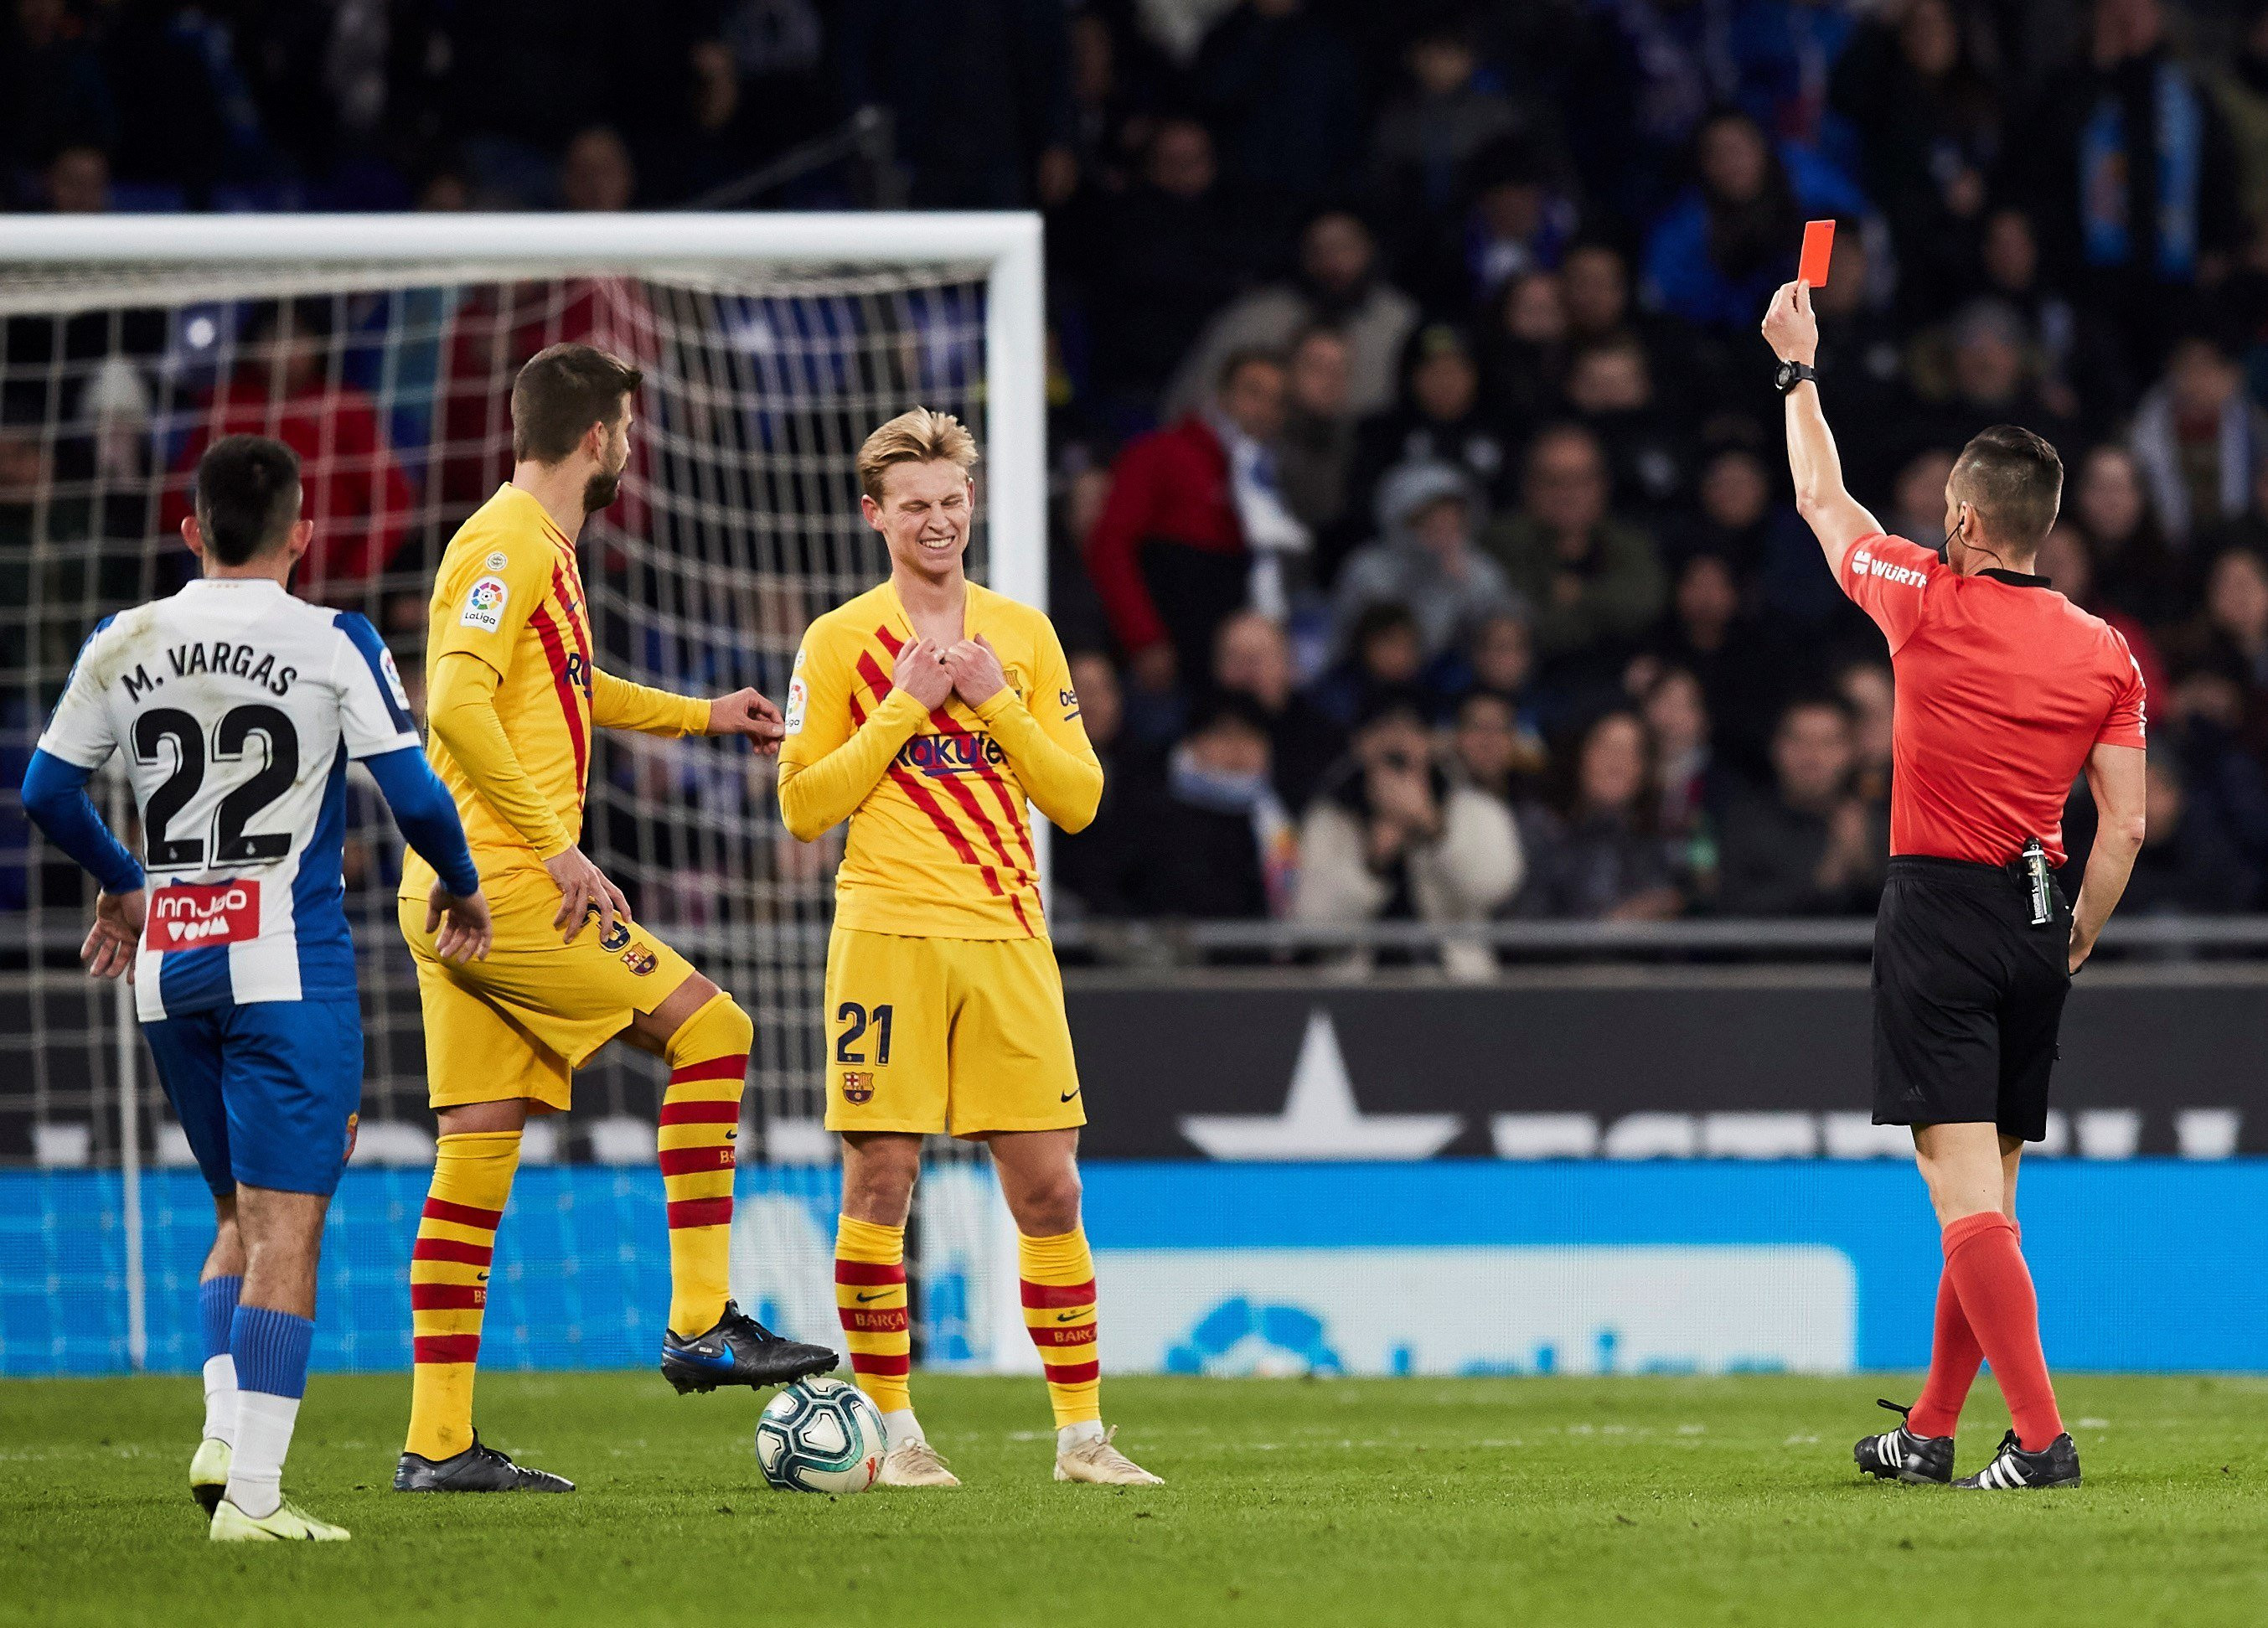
point(384, 353)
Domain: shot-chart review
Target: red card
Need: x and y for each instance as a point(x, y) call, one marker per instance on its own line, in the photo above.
point(1818, 249)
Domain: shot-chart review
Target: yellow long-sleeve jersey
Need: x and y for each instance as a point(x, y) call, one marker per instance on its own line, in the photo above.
point(511, 694)
point(941, 843)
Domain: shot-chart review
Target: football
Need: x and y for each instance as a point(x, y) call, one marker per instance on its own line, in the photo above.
point(820, 1435)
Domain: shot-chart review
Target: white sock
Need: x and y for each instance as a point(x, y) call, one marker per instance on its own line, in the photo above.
point(1072, 1435)
point(264, 1436)
point(220, 1397)
point(900, 1427)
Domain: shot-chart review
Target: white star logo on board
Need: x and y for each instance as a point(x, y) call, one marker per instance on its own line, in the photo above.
point(1321, 1118)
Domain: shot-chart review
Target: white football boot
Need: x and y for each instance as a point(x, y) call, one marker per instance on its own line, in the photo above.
point(1094, 1460)
point(915, 1463)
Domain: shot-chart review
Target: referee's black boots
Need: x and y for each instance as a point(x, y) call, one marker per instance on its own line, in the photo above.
point(1901, 1455)
point(2056, 1465)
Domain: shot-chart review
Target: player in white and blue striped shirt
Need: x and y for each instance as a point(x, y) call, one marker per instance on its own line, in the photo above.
point(237, 708)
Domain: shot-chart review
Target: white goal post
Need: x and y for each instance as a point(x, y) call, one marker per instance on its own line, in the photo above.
point(851, 313)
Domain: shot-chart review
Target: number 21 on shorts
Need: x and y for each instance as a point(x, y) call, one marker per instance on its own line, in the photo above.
point(856, 1021)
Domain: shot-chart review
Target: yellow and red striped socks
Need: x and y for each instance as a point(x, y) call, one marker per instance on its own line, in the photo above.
point(869, 1300)
point(1059, 1288)
point(448, 1284)
point(700, 1119)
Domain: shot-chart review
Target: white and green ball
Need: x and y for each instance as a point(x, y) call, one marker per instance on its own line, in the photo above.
point(820, 1435)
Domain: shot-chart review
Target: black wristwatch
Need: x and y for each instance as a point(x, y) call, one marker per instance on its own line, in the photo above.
point(1792, 374)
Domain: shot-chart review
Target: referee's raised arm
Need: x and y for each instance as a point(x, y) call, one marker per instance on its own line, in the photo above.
point(1835, 517)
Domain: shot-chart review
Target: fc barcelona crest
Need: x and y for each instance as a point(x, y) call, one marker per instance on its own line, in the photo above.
point(857, 1088)
point(610, 939)
point(640, 960)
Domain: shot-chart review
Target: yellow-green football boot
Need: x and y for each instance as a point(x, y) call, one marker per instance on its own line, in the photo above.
point(209, 1473)
point(288, 1523)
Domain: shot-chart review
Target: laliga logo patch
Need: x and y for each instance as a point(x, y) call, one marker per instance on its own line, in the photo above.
point(798, 702)
point(484, 605)
point(858, 1089)
point(640, 960)
point(393, 675)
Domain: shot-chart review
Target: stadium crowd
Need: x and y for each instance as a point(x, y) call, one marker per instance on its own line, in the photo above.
point(1423, 537)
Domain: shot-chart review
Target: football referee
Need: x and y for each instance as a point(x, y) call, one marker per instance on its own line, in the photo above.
point(2005, 688)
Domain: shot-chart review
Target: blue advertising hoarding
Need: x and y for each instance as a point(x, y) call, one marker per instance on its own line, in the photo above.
point(1440, 1266)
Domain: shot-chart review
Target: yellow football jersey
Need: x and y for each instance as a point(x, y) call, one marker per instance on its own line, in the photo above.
point(509, 593)
point(940, 841)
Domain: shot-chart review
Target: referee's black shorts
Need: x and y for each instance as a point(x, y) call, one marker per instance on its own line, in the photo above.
point(1968, 996)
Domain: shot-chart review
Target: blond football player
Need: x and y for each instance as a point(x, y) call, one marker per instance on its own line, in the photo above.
point(929, 712)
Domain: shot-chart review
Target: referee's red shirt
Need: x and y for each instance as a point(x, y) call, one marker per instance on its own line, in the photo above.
point(2003, 687)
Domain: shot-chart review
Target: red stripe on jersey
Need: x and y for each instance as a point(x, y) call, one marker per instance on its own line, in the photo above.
point(1016, 821)
point(701, 1212)
point(986, 772)
point(877, 681)
point(1073, 1372)
point(691, 1160)
point(700, 1113)
point(578, 620)
point(463, 1214)
point(734, 1067)
point(919, 796)
point(870, 1272)
point(451, 1249)
point(447, 1296)
point(446, 1348)
point(555, 648)
point(900, 1364)
point(872, 674)
point(1077, 1334)
point(1057, 1296)
point(970, 806)
point(916, 794)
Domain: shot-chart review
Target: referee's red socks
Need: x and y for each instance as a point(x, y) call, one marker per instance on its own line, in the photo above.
point(1954, 1356)
point(1986, 1270)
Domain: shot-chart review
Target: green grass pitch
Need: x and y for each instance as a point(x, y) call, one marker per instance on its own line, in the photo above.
point(1657, 1502)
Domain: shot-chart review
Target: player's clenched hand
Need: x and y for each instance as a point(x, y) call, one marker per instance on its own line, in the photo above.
point(1790, 329)
point(745, 712)
point(976, 668)
point(465, 930)
point(922, 673)
point(109, 947)
point(584, 887)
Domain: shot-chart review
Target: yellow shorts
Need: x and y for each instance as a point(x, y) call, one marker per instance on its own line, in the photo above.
point(965, 1035)
point(520, 1023)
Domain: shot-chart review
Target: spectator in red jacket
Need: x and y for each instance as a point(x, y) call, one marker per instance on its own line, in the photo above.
point(1168, 555)
point(356, 493)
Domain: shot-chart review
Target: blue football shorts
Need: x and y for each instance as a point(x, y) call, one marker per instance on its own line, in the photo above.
point(266, 1092)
